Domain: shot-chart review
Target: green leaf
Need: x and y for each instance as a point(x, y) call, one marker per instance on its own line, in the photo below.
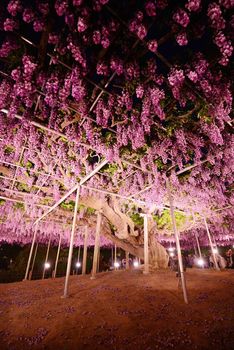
point(137, 219)
point(2, 202)
point(19, 205)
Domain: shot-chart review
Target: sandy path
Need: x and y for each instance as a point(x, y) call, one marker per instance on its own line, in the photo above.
point(120, 310)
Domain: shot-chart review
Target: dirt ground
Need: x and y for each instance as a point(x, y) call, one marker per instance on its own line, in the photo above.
point(120, 310)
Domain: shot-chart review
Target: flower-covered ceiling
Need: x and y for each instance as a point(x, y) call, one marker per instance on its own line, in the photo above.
point(143, 84)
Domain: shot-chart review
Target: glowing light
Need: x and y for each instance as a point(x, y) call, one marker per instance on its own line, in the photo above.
point(78, 264)
point(215, 250)
point(47, 265)
point(171, 254)
point(135, 263)
point(200, 262)
point(171, 249)
point(116, 264)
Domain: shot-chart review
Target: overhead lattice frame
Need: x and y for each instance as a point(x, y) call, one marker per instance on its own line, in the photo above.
point(109, 86)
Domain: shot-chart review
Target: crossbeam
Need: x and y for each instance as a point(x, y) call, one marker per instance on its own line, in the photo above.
point(59, 134)
point(177, 173)
point(19, 201)
point(27, 169)
point(73, 189)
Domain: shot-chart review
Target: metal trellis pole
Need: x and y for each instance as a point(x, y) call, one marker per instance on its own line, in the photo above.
point(115, 258)
point(183, 282)
point(198, 246)
point(78, 259)
point(84, 263)
point(34, 258)
point(46, 259)
point(146, 245)
point(96, 246)
point(65, 295)
point(57, 257)
point(211, 246)
point(127, 260)
point(30, 254)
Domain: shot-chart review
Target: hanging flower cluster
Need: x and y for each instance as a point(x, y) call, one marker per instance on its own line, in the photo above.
point(148, 88)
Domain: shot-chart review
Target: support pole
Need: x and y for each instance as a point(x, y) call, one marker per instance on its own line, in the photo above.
point(115, 257)
point(65, 295)
point(98, 259)
point(85, 251)
point(57, 257)
point(96, 246)
point(211, 245)
point(46, 259)
point(73, 189)
point(146, 245)
point(183, 282)
point(198, 246)
point(127, 260)
point(30, 254)
point(78, 256)
point(78, 259)
point(195, 249)
point(34, 258)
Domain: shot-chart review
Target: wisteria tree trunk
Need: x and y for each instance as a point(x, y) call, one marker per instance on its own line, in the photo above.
point(126, 236)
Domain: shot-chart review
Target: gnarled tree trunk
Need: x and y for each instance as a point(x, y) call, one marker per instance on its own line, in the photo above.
point(126, 235)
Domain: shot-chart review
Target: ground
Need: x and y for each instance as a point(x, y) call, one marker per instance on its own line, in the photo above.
point(120, 310)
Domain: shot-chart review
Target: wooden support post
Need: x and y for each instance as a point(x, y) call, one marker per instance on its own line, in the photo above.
point(127, 260)
point(211, 246)
point(84, 264)
point(183, 282)
point(96, 246)
point(30, 254)
point(69, 261)
point(57, 257)
point(46, 259)
point(34, 258)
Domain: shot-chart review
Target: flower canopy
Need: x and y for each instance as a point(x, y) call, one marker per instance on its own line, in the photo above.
point(143, 84)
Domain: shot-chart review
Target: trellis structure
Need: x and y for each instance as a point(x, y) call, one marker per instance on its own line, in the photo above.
point(147, 118)
point(77, 188)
